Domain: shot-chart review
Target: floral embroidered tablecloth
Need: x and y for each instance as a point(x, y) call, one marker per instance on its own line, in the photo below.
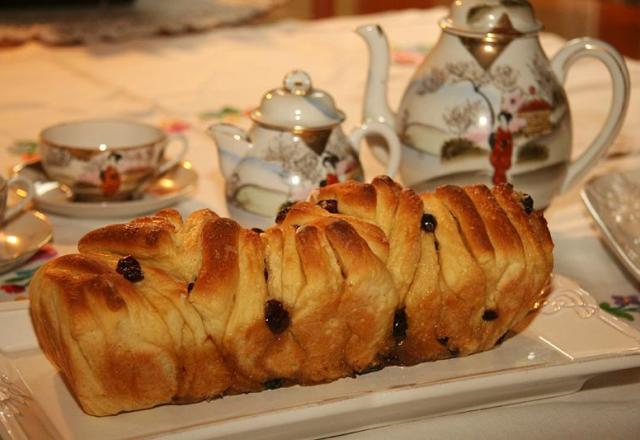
point(13, 285)
point(186, 83)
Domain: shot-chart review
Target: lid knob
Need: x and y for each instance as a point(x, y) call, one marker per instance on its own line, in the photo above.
point(297, 82)
point(500, 17)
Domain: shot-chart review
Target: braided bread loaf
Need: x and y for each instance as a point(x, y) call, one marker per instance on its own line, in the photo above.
point(363, 275)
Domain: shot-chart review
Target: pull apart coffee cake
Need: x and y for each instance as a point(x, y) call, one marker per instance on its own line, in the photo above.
point(165, 310)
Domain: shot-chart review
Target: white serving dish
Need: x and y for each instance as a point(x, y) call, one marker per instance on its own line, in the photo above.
point(569, 341)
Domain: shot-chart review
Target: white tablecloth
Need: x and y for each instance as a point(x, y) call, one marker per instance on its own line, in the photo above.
point(190, 79)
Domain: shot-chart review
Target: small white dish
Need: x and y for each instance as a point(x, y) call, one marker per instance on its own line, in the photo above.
point(22, 237)
point(166, 190)
point(614, 203)
point(570, 340)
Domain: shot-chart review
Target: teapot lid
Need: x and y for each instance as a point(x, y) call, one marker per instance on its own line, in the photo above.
point(297, 105)
point(499, 17)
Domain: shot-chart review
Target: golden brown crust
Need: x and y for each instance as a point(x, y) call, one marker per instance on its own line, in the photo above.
point(507, 296)
point(461, 283)
point(354, 279)
point(316, 322)
point(538, 256)
point(152, 237)
point(114, 349)
point(368, 297)
point(474, 235)
point(354, 198)
point(404, 241)
point(422, 306)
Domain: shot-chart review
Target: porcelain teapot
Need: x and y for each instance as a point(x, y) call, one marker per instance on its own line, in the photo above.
point(487, 105)
point(295, 144)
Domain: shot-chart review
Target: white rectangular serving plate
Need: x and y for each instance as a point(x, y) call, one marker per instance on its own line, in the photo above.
point(569, 341)
point(614, 203)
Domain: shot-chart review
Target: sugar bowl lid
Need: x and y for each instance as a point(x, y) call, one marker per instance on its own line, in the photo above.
point(297, 105)
point(510, 17)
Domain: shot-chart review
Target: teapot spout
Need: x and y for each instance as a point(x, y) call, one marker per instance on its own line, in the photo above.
point(232, 143)
point(376, 106)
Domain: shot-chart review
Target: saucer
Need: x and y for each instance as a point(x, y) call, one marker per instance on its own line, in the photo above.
point(166, 190)
point(22, 237)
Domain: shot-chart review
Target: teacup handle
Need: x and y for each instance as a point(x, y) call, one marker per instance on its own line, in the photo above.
point(560, 63)
point(184, 147)
point(27, 186)
point(373, 127)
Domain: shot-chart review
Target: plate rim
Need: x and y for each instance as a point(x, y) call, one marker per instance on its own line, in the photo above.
point(574, 371)
point(594, 362)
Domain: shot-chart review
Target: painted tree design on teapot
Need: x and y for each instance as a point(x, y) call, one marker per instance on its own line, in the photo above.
point(487, 105)
point(498, 108)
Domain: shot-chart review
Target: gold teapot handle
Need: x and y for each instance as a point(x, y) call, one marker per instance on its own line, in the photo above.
point(614, 62)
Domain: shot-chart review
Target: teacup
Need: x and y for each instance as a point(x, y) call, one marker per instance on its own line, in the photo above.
point(106, 160)
point(9, 212)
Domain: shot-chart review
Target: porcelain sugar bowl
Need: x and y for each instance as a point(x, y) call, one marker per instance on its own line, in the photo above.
point(296, 143)
point(488, 106)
